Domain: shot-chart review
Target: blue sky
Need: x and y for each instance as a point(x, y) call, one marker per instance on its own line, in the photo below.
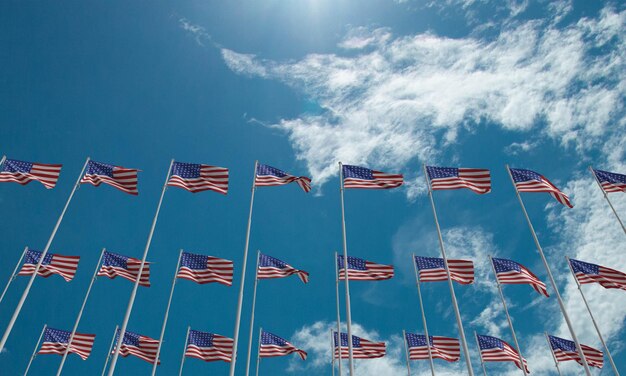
point(302, 85)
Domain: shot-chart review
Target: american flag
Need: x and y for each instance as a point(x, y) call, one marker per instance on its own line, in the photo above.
point(494, 349)
point(273, 345)
point(55, 342)
point(530, 181)
point(114, 265)
point(475, 179)
point(65, 266)
point(565, 350)
point(361, 348)
point(271, 267)
point(267, 176)
point(432, 269)
point(444, 348)
point(361, 177)
point(124, 179)
point(592, 273)
point(140, 346)
point(610, 181)
point(22, 172)
point(208, 346)
point(509, 272)
point(205, 269)
point(199, 177)
point(363, 270)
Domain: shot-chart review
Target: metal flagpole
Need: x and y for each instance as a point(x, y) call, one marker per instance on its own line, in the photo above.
point(419, 294)
point(167, 312)
point(106, 362)
point(332, 353)
point(129, 309)
point(459, 323)
point(338, 317)
point(480, 353)
point(606, 197)
point(182, 362)
point(545, 263)
point(258, 353)
point(14, 274)
point(346, 279)
point(35, 351)
point(592, 318)
point(80, 314)
point(243, 277)
point(406, 352)
point(4, 157)
point(556, 363)
point(256, 282)
point(43, 255)
point(508, 317)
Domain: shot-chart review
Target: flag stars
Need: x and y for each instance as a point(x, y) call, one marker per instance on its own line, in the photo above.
point(11, 165)
point(504, 265)
point(201, 339)
point(186, 170)
point(98, 168)
point(269, 170)
point(442, 172)
point(193, 261)
point(584, 267)
point(269, 261)
point(488, 342)
point(429, 263)
point(115, 260)
point(520, 175)
point(357, 172)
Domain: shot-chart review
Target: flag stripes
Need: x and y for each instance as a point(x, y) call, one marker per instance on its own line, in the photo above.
point(531, 181)
point(363, 270)
point(432, 269)
point(493, 349)
point(267, 176)
point(273, 345)
point(509, 272)
point(114, 265)
point(361, 177)
point(22, 172)
point(205, 269)
point(443, 178)
point(65, 266)
point(361, 348)
point(271, 267)
point(591, 273)
point(142, 347)
point(199, 177)
point(208, 346)
point(611, 181)
point(448, 349)
point(565, 350)
point(55, 342)
point(124, 179)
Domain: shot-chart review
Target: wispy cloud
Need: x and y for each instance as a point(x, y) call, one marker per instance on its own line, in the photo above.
point(198, 32)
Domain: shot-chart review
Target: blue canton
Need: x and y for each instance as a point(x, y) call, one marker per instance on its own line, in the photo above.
point(610, 177)
point(57, 336)
point(115, 260)
point(130, 338)
point(415, 340)
point(584, 267)
point(262, 170)
point(357, 172)
point(562, 344)
point(504, 265)
point(193, 261)
point(356, 341)
point(442, 172)
point(201, 339)
point(520, 175)
point(11, 165)
point(97, 168)
point(489, 342)
point(272, 339)
point(353, 263)
point(186, 170)
point(429, 263)
point(32, 257)
point(269, 261)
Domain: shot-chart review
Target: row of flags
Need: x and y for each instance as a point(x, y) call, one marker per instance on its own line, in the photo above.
point(200, 177)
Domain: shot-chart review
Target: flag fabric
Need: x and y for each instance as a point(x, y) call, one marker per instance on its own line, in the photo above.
point(432, 269)
point(55, 341)
point(114, 265)
point(494, 349)
point(530, 181)
point(361, 348)
point(267, 176)
point(142, 347)
point(363, 270)
point(509, 272)
point(361, 177)
point(199, 177)
point(565, 350)
point(205, 269)
point(273, 345)
point(592, 273)
point(476, 179)
point(124, 179)
point(444, 348)
point(271, 267)
point(208, 346)
point(611, 181)
point(65, 266)
point(22, 172)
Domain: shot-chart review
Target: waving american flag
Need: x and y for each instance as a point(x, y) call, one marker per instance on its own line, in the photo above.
point(565, 350)
point(198, 177)
point(271, 267)
point(361, 177)
point(22, 172)
point(55, 341)
point(592, 273)
point(65, 266)
point(363, 270)
point(432, 269)
point(361, 348)
point(273, 345)
point(530, 181)
point(267, 176)
point(124, 179)
point(475, 179)
point(611, 181)
point(448, 349)
point(205, 269)
point(509, 272)
point(494, 349)
point(114, 265)
point(208, 346)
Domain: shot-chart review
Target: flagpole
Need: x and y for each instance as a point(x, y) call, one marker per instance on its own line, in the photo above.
point(556, 363)
point(243, 277)
point(592, 318)
point(606, 197)
point(35, 351)
point(80, 314)
point(129, 309)
point(167, 312)
point(182, 362)
point(7, 332)
point(12, 278)
point(545, 263)
point(480, 353)
point(332, 353)
point(347, 279)
point(406, 352)
point(258, 353)
point(106, 362)
point(256, 282)
point(508, 317)
point(4, 157)
point(459, 323)
point(338, 317)
point(419, 294)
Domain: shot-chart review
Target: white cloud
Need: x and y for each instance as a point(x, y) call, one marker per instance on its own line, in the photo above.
point(198, 32)
point(517, 148)
point(403, 98)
